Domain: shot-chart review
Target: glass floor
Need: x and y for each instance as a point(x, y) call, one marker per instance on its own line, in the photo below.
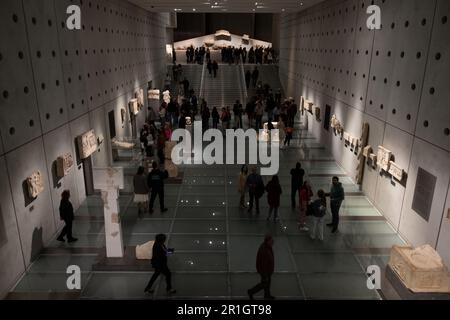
point(216, 242)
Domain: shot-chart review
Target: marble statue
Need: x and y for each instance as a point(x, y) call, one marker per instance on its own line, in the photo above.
point(421, 270)
point(144, 251)
point(35, 184)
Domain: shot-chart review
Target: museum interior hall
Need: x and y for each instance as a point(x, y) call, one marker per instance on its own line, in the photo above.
point(301, 144)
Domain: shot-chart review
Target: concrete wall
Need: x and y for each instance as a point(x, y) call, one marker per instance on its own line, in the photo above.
point(56, 84)
point(396, 79)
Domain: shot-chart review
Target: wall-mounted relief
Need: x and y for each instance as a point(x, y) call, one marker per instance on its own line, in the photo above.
point(122, 145)
point(63, 165)
point(139, 95)
point(361, 150)
point(317, 114)
point(134, 106)
point(336, 125)
point(35, 184)
point(384, 158)
point(395, 171)
point(153, 94)
point(347, 138)
point(372, 160)
point(123, 114)
point(309, 106)
point(367, 151)
point(100, 139)
point(87, 144)
point(188, 121)
point(166, 96)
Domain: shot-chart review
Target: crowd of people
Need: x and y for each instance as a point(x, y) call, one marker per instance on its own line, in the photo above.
point(230, 55)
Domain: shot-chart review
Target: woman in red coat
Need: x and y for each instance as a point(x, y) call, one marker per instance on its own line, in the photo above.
point(274, 191)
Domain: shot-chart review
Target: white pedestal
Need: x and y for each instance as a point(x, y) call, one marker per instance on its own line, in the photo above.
point(109, 181)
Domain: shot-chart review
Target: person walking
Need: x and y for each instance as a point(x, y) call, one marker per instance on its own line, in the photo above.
point(297, 175)
point(225, 118)
point(255, 187)
point(259, 112)
point(215, 67)
point(161, 144)
point(305, 199)
point(289, 133)
point(155, 182)
point(66, 215)
point(209, 66)
point(274, 192)
point(238, 110)
point(250, 111)
point(205, 119)
point(337, 196)
point(140, 190)
point(265, 266)
point(255, 76)
point(242, 186)
point(159, 263)
point(319, 210)
point(215, 117)
point(248, 78)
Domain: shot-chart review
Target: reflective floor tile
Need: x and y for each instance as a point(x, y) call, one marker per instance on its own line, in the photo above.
point(336, 286)
point(217, 191)
point(194, 226)
point(204, 181)
point(204, 172)
point(171, 190)
point(84, 240)
point(87, 227)
point(259, 227)
point(359, 212)
point(282, 285)
point(59, 263)
point(370, 260)
point(201, 212)
point(132, 214)
point(198, 261)
point(373, 241)
point(89, 211)
point(331, 243)
point(130, 240)
point(110, 285)
point(330, 262)
point(147, 226)
point(192, 200)
point(358, 201)
point(204, 286)
point(243, 251)
point(198, 242)
point(365, 227)
point(46, 282)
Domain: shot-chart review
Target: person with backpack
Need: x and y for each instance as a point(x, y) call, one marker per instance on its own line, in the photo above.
point(319, 210)
point(159, 263)
point(255, 187)
point(274, 192)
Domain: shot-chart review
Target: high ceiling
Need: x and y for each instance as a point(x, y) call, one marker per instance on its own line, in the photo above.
point(218, 6)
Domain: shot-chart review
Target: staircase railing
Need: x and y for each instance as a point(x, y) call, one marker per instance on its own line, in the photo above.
point(202, 81)
point(242, 80)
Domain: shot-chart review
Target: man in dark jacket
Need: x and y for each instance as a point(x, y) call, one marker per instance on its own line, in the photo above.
point(155, 182)
point(337, 195)
point(255, 187)
point(159, 263)
point(265, 265)
point(248, 78)
point(297, 175)
point(66, 214)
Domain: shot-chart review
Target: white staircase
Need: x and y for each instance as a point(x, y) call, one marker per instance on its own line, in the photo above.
point(267, 74)
point(192, 72)
point(226, 88)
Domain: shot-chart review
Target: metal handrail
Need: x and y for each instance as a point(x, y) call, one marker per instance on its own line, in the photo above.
point(202, 89)
point(243, 83)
